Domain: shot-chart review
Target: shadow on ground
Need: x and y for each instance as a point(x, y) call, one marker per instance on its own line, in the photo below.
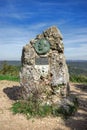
point(82, 87)
point(13, 93)
point(79, 120)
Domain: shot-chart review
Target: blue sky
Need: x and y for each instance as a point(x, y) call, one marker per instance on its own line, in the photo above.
point(22, 20)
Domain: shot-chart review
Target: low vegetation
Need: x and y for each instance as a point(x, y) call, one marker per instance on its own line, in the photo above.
point(33, 108)
point(78, 78)
point(9, 72)
point(9, 77)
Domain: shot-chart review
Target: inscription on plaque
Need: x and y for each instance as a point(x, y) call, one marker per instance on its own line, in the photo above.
point(41, 61)
point(42, 65)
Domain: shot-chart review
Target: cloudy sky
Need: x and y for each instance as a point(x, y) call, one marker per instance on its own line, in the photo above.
point(22, 20)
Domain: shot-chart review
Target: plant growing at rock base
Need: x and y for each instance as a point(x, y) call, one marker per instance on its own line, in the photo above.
point(34, 108)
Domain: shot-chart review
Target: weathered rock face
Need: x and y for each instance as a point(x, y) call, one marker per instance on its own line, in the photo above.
point(44, 71)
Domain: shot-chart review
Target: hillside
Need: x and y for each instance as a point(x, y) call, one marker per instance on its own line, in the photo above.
point(77, 67)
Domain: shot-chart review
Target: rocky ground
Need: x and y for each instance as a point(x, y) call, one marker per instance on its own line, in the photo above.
point(8, 121)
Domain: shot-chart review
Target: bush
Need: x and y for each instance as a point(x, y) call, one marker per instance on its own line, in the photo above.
point(9, 72)
point(31, 109)
point(78, 78)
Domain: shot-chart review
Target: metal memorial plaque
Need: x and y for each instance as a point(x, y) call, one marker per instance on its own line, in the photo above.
point(42, 46)
point(41, 61)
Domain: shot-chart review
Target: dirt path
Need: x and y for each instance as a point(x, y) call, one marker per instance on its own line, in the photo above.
point(8, 121)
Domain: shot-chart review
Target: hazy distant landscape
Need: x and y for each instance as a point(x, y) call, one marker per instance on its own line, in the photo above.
point(78, 67)
point(15, 63)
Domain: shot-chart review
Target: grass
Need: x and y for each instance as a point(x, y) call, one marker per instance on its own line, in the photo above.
point(9, 72)
point(9, 77)
point(78, 78)
point(33, 108)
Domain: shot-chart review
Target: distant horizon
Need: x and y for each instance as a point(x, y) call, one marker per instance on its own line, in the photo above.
point(66, 60)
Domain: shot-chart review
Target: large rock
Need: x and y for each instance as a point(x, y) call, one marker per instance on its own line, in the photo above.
point(44, 72)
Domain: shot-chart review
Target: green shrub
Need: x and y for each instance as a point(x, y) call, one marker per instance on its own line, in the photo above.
point(31, 109)
point(78, 78)
point(65, 113)
point(9, 72)
point(9, 69)
point(67, 109)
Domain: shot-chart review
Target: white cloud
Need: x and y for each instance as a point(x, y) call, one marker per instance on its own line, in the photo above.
point(10, 52)
point(14, 35)
point(77, 53)
point(75, 43)
point(58, 3)
point(12, 39)
point(76, 40)
point(15, 15)
point(76, 37)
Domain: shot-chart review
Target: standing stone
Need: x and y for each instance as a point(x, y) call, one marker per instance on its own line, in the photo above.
point(44, 72)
